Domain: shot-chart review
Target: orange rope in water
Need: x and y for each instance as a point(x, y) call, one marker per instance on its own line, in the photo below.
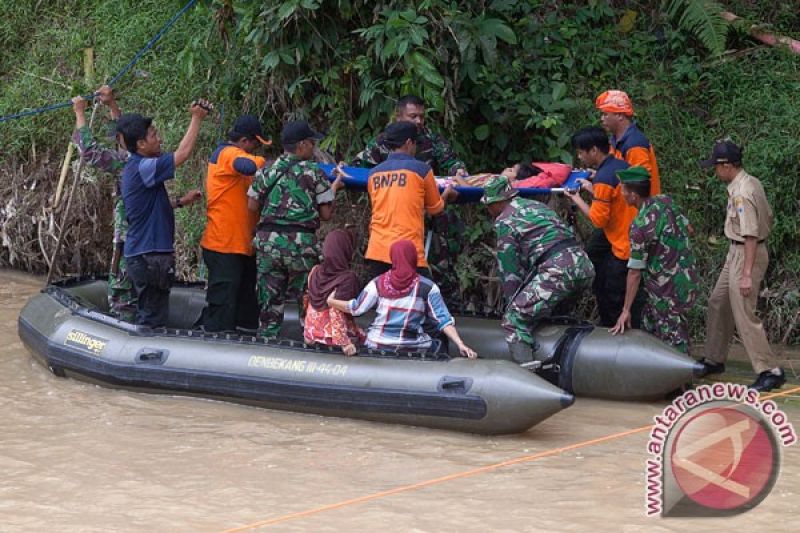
point(460, 475)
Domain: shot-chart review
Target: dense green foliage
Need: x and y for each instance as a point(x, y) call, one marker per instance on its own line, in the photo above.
point(504, 80)
point(703, 19)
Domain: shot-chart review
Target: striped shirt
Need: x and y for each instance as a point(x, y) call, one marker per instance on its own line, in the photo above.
point(398, 321)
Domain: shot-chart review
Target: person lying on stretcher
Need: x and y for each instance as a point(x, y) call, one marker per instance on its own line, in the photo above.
point(522, 175)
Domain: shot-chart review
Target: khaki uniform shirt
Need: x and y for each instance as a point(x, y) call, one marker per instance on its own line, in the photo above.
point(749, 214)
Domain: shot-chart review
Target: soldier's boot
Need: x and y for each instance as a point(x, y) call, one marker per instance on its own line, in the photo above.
point(523, 354)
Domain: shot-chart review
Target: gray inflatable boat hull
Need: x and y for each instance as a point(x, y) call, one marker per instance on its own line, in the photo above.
point(65, 329)
point(588, 361)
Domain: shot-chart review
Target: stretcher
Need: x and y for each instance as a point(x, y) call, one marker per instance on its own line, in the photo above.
point(356, 178)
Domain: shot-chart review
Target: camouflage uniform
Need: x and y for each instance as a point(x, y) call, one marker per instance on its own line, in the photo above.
point(289, 192)
point(536, 277)
point(660, 249)
point(121, 296)
point(433, 149)
point(448, 228)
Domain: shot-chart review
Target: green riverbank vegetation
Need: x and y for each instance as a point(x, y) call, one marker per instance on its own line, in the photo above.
point(504, 80)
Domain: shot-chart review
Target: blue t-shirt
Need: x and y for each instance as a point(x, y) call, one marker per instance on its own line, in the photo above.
point(150, 216)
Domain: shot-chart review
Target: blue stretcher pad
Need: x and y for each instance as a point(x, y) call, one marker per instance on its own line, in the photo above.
point(359, 176)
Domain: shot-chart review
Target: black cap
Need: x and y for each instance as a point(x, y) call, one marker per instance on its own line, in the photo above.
point(248, 126)
point(723, 152)
point(298, 130)
point(397, 133)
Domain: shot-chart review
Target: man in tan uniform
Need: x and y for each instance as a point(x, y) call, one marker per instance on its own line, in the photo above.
point(733, 302)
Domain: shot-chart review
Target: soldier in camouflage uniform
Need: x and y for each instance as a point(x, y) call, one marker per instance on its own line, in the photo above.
point(660, 253)
point(121, 296)
point(433, 149)
point(292, 196)
point(540, 261)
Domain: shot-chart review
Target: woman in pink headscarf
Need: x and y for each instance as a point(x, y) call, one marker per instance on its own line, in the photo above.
point(403, 299)
point(324, 324)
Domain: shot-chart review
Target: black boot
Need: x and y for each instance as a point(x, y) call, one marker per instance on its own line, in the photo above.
point(767, 381)
point(710, 367)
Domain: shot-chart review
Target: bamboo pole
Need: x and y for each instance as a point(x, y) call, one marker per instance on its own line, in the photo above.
point(63, 176)
point(88, 76)
point(88, 71)
point(88, 66)
point(68, 159)
point(64, 220)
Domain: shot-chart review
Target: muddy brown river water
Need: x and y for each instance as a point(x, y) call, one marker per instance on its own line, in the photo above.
point(78, 457)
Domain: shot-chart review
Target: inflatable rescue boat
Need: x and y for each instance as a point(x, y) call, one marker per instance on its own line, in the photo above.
point(66, 329)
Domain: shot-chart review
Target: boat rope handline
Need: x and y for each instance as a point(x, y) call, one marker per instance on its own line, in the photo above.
point(79, 308)
point(166, 27)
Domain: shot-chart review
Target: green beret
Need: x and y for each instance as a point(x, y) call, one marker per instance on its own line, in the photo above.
point(497, 189)
point(633, 175)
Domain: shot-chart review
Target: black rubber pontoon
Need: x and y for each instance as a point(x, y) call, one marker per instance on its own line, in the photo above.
point(589, 362)
point(66, 329)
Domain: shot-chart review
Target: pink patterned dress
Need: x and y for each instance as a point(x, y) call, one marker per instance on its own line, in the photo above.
point(331, 327)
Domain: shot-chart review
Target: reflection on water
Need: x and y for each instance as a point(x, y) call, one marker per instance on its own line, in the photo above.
point(77, 457)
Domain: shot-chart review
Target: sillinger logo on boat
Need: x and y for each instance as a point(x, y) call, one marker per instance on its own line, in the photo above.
point(715, 451)
point(84, 341)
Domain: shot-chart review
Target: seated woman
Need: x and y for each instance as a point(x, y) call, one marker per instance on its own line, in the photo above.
point(324, 324)
point(404, 299)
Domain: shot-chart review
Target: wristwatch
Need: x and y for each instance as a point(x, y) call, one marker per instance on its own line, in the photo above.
point(178, 202)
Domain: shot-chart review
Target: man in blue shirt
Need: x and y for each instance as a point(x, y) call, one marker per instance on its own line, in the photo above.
point(149, 247)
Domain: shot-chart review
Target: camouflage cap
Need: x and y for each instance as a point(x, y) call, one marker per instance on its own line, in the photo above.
point(633, 175)
point(498, 189)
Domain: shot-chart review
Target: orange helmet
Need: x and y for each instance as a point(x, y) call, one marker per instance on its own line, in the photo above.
point(614, 102)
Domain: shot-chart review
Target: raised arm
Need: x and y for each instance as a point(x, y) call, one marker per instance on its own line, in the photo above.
point(106, 96)
point(79, 107)
point(110, 161)
point(199, 110)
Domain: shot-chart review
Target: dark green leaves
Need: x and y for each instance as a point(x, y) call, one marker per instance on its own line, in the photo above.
point(423, 67)
point(497, 28)
point(701, 18)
